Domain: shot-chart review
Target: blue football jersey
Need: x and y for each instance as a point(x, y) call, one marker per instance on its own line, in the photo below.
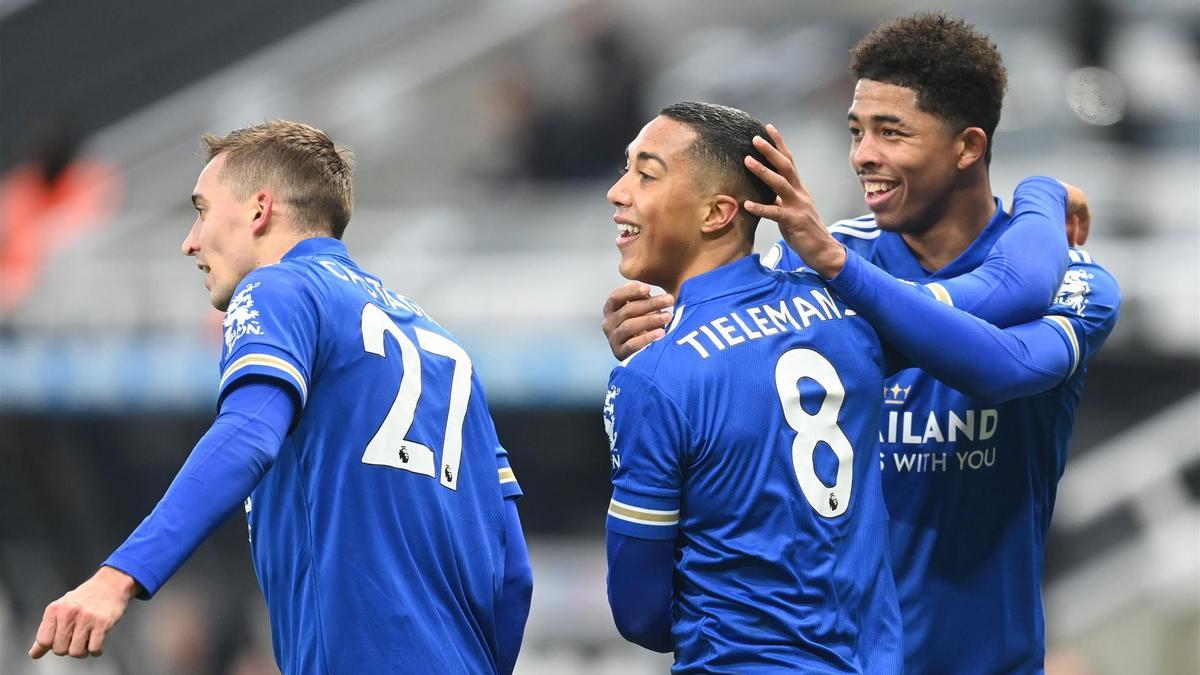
point(748, 436)
point(378, 534)
point(970, 484)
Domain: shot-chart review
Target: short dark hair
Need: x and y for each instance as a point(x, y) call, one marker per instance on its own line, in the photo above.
point(311, 172)
point(724, 136)
point(956, 71)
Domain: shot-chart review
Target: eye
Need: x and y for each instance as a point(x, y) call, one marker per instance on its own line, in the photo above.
point(889, 133)
point(855, 132)
point(645, 176)
point(623, 170)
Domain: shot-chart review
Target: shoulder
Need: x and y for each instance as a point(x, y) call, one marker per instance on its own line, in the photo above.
point(1085, 284)
point(862, 227)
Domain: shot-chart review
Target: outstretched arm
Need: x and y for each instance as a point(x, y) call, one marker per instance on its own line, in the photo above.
point(219, 474)
point(963, 351)
point(1014, 284)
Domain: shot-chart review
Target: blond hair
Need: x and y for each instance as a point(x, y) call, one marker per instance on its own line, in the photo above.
point(310, 173)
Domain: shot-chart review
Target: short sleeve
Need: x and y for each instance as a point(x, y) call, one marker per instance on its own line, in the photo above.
point(270, 330)
point(509, 487)
point(1086, 307)
point(648, 439)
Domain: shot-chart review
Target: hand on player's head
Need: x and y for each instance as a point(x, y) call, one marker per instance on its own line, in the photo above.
point(794, 209)
point(633, 318)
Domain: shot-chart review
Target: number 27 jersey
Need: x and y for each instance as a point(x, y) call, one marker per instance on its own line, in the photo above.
point(748, 436)
point(377, 535)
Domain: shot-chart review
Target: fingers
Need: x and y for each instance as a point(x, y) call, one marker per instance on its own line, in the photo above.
point(770, 212)
point(45, 635)
point(778, 183)
point(777, 138)
point(640, 341)
point(782, 163)
point(63, 635)
point(95, 645)
point(633, 290)
point(78, 648)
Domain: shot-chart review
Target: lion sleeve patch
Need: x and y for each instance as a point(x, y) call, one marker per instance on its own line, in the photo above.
point(241, 319)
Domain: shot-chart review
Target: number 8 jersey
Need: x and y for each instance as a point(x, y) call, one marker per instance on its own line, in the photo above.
point(384, 508)
point(748, 435)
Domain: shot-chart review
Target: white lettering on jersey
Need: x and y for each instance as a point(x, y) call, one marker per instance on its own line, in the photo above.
point(754, 323)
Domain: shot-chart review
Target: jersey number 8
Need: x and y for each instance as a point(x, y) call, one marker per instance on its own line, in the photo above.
point(794, 365)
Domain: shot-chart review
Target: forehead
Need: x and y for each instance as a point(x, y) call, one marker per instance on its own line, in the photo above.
point(210, 175)
point(662, 136)
point(872, 98)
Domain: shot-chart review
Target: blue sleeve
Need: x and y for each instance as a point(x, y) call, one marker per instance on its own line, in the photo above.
point(640, 573)
point(1017, 280)
point(222, 470)
point(648, 437)
point(513, 609)
point(963, 351)
point(509, 487)
point(1086, 306)
point(271, 330)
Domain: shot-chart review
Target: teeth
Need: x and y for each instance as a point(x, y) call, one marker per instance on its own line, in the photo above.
point(875, 186)
point(629, 230)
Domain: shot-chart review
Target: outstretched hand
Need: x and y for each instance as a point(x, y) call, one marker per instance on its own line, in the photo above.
point(77, 623)
point(794, 209)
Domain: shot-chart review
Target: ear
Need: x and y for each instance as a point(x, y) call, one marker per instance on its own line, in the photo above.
point(722, 209)
point(264, 207)
point(972, 146)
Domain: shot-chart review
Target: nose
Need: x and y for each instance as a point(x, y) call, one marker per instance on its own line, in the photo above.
point(618, 195)
point(191, 243)
point(864, 153)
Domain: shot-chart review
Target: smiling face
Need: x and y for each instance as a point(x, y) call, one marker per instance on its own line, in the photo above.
point(661, 206)
point(221, 238)
point(905, 158)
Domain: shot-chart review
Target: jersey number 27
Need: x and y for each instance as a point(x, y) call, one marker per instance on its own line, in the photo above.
point(389, 447)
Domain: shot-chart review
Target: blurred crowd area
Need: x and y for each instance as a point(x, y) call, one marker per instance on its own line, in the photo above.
point(486, 134)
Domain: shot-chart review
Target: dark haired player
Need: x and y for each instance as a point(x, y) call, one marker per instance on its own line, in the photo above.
point(969, 474)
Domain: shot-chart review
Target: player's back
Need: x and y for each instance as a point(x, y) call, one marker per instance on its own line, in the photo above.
point(782, 530)
point(383, 508)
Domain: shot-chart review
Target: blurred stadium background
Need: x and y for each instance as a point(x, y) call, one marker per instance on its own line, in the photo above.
point(487, 132)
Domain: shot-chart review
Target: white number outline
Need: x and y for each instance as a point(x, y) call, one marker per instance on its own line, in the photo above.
point(388, 446)
point(793, 366)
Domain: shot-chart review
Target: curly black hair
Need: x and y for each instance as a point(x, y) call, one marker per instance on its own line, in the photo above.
point(956, 71)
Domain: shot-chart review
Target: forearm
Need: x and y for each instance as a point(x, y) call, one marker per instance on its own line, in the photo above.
point(962, 351)
point(640, 572)
point(513, 610)
point(220, 473)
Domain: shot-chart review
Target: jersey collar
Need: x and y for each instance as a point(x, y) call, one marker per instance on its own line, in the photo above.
point(317, 246)
point(896, 257)
point(724, 280)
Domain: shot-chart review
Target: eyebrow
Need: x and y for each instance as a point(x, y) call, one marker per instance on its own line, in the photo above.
point(644, 156)
point(893, 119)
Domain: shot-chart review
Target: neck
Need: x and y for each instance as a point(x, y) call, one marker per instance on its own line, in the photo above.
point(966, 212)
point(714, 255)
point(272, 248)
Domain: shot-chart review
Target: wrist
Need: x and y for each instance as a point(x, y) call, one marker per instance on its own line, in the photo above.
point(124, 584)
point(830, 262)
